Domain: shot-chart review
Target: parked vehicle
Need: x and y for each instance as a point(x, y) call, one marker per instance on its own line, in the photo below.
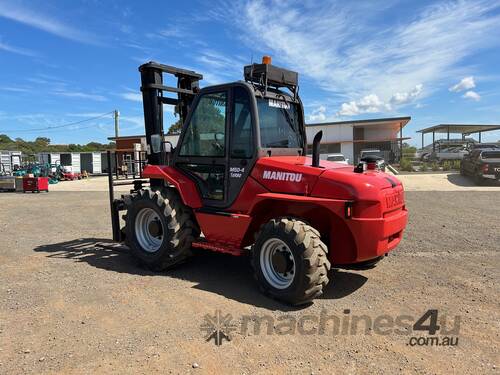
point(245, 183)
point(338, 158)
point(480, 146)
point(482, 164)
point(451, 153)
point(381, 164)
point(68, 174)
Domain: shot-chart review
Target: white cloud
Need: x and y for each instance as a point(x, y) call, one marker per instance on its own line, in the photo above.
point(79, 95)
point(373, 104)
point(466, 83)
point(368, 104)
point(38, 20)
point(472, 95)
point(16, 89)
point(132, 96)
point(318, 115)
point(17, 50)
point(406, 97)
point(341, 47)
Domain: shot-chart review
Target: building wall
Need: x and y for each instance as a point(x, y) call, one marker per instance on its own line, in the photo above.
point(347, 150)
point(373, 133)
point(331, 134)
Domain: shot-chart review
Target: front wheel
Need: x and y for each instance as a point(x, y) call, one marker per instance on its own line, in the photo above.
point(290, 261)
point(159, 228)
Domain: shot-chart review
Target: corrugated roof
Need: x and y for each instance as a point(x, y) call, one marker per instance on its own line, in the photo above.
point(459, 128)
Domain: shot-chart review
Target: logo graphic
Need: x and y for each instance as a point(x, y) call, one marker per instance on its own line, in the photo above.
point(282, 176)
point(218, 327)
point(278, 104)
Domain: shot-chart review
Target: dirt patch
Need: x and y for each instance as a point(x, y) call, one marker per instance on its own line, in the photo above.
point(71, 302)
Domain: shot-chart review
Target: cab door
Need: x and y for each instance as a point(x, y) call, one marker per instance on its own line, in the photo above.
point(217, 148)
point(242, 145)
point(202, 152)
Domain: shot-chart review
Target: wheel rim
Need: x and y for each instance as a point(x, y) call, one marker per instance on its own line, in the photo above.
point(277, 263)
point(149, 230)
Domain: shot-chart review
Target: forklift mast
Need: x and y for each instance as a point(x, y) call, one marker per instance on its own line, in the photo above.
point(153, 98)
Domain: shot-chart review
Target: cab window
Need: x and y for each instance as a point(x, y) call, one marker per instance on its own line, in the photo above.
point(242, 145)
point(279, 124)
point(206, 132)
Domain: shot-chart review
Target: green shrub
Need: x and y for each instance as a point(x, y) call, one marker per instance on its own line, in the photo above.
point(446, 165)
point(405, 165)
point(424, 167)
point(435, 166)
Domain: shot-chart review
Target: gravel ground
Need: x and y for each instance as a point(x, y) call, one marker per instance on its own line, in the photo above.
point(71, 302)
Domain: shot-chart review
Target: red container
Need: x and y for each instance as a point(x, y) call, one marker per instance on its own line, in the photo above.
point(37, 184)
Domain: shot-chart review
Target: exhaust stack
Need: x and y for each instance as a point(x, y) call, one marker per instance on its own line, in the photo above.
point(316, 143)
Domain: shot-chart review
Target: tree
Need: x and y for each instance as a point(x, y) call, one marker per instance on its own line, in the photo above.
point(175, 128)
point(5, 139)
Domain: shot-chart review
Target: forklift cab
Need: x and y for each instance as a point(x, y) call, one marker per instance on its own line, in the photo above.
point(228, 127)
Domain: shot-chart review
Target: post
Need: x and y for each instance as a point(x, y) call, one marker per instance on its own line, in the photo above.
point(433, 141)
point(422, 140)
point(479, 137)
point(448, 130)
point(116, 165)
point(117, 127)
point(115, 219)
point(400, 142)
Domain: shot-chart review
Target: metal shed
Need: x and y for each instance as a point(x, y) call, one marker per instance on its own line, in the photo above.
point(71, 159)
point(463, 129)
point(9, 160)
point(91, 162)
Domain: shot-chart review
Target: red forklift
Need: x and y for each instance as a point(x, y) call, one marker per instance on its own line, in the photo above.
point(239, 182)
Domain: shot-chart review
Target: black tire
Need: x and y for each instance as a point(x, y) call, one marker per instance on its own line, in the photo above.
point(176, 224)
point(366, 265)
point(478, 179)
point(310, 257)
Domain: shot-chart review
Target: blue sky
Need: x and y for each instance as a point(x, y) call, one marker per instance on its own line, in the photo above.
point(63, 62)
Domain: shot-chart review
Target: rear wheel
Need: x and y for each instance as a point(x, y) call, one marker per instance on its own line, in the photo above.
point(290, 261)
point(478, 179)
point(159, 228)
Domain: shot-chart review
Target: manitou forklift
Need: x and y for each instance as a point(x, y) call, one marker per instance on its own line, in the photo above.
point(239, 182)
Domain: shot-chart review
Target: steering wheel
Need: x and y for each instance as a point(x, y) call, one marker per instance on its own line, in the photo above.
point(216, 144)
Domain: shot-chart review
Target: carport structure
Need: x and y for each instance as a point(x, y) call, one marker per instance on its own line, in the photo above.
point(463, 129)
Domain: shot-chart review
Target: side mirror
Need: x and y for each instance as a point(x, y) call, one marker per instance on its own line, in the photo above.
point(168, 147)
point(155, 143)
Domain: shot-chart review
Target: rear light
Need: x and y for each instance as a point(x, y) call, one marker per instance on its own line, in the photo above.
point(371, 166)
point(348, 210)
point(485, 168)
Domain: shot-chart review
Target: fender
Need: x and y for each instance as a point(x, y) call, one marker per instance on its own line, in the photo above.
point(184, 185)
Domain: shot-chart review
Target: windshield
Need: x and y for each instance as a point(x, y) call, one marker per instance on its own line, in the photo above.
point(279, 124)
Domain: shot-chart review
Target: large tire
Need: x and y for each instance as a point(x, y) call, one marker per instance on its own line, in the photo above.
point(478, 179)
point(159, 228)
point(290, 261)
